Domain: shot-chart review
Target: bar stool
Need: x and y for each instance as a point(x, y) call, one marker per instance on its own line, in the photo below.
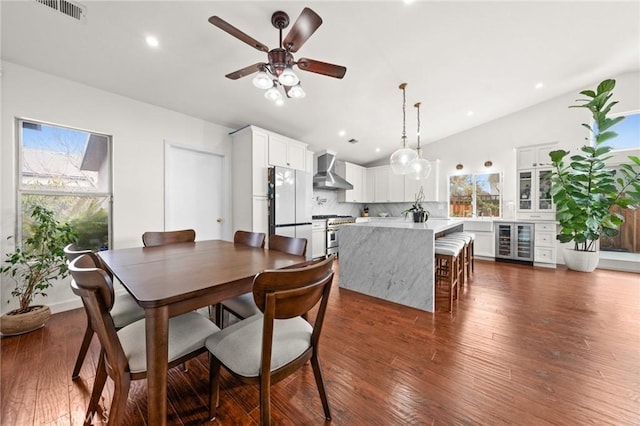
point(465, 263)
point(447, 269)
point(471, 248)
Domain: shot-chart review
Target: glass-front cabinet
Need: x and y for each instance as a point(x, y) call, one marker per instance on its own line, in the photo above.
point(534, 194)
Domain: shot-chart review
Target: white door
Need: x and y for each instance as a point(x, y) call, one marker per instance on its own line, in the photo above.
point(193, 191)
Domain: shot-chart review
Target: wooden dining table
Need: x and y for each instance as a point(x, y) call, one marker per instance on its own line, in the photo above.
point(173, 279)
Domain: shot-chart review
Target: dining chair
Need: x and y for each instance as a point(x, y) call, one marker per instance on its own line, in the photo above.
point(251, 239)
point(160, 238)
point(243, 306)
point(124, 311)
point(123, 355)
point(259, 349)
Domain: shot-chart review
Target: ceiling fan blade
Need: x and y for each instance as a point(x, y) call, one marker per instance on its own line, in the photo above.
point(227, 27)
point(323, 68)
point(245, 71)
point(306, 24)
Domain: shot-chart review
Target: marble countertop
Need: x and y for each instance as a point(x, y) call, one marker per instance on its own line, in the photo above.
point(435, 225)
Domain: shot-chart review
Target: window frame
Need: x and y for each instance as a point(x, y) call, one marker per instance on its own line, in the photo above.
point(474, 204)
point(21, 190)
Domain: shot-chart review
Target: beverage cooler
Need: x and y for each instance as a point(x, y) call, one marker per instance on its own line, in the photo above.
point(514, 241)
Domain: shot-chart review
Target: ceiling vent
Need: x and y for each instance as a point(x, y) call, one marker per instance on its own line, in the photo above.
point(353, 141)
point(72, 9)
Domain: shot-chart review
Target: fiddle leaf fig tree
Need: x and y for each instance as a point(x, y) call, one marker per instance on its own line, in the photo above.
point(584, 189)
point(41, 258)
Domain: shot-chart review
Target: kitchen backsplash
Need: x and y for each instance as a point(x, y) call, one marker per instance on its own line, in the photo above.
point(326, 202)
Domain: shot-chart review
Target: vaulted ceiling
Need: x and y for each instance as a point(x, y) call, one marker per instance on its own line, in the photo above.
point(467, 62)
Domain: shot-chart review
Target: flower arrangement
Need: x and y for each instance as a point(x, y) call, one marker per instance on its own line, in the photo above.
point(419, 213)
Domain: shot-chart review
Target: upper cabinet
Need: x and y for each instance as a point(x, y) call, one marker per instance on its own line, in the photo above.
point(429, 185)
point(534, 157)
point(356, 176)
point(383, 186)
point(534, 183)
point(285, 152)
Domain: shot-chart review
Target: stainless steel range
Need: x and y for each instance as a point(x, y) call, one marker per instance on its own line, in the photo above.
point(333, 230)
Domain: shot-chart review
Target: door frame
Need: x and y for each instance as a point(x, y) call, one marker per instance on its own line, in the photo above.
point(226, 183)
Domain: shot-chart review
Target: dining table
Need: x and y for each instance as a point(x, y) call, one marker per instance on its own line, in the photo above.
point(172, 279)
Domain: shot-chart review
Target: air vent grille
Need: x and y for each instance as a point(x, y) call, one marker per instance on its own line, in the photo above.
point(353, 141)
point(72, 9)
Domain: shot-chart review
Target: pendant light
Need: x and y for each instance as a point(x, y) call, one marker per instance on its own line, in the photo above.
point(401, 159)
point(420, 168)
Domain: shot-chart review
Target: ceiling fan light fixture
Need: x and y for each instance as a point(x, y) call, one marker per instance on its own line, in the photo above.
point(296, 92)
point(263, 80)
point(273, 94)
point(288, 78)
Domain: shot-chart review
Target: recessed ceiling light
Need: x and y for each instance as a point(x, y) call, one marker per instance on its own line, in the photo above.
point(341, 133)
point(377, 149)
point(539, 85)
point(152, 41)
point(408, 1)
point(469, 113)
point(279, 102)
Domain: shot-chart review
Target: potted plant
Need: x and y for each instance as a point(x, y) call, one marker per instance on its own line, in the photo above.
point(419, 213)
point(33, 267)
point(584, 189)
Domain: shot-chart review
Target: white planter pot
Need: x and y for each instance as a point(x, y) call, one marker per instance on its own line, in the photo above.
point(583, 261)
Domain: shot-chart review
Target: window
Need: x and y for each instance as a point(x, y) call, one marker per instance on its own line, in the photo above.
point(628, 131)
point(628, 138)
point(69, 172)
point(475, 195)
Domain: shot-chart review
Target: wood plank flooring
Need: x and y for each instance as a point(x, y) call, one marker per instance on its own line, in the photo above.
point(523, 345)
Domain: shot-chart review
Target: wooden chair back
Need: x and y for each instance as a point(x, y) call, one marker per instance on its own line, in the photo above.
point(290, 245)
point(251, 239)
point(288, 293)
point(95, 288)
point(161, 238)
point(72, 251)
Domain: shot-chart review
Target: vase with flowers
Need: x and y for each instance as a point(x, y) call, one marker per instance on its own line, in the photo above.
point(419, 213)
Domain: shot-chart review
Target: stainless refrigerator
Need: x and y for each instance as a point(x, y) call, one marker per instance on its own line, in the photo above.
point(290, 194)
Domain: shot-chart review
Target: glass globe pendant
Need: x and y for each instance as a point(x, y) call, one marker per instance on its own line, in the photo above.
point(420, 168)
point(401, 159)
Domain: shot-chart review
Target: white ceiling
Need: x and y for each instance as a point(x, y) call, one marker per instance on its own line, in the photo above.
point(455, 56)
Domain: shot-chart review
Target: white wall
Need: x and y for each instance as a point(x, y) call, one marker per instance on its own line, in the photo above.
point(139, 131)
point(550, 121)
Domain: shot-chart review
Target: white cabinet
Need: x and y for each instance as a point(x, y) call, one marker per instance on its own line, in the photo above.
point(356, 176)
point(383, 186)
point(429, 185)
point(285, 152)
point(545, 245)
point(318, 238)
point(260, 215)
point(535, 156)
point(534, 195)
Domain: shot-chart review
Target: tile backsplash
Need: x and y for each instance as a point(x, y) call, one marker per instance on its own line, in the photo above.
point(326, 202)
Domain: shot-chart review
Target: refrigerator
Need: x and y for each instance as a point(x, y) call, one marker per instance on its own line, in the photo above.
point(290, 195)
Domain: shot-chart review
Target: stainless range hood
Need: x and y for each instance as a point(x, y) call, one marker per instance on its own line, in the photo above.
point(327, 178)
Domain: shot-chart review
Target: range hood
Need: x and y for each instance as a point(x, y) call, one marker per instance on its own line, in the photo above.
point(327, 178)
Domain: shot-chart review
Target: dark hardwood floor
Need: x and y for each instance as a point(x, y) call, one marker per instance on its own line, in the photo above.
point(525, 346)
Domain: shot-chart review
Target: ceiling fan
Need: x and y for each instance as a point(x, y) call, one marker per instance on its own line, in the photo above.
point(279, 68)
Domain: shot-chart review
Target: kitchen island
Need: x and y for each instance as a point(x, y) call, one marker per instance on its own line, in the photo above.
point(392, 260)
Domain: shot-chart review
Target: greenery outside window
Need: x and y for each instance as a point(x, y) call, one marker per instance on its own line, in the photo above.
point(68, 171)
point(627, 240)
point(475, 195)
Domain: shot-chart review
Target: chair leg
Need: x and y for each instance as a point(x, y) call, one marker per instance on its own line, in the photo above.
point(98, 386)
point(120, 396)
point(84, 347)
point(214, 386)
point(265, 399)
point(315, 364)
